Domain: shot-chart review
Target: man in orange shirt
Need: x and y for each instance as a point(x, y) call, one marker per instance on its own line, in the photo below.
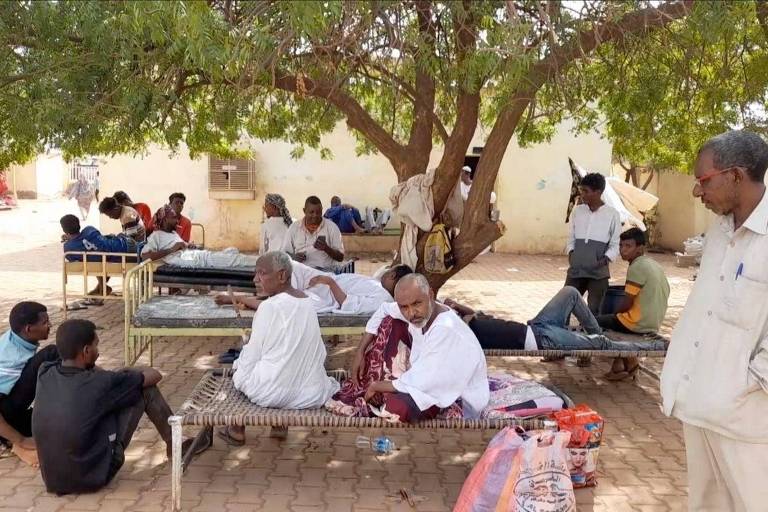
point(184, 227)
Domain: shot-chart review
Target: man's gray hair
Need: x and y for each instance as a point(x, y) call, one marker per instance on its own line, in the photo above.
point(276, 261)
point(418, 279)
point(739, 148)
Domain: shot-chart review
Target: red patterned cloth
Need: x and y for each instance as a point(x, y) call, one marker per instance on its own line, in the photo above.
point(387, 357)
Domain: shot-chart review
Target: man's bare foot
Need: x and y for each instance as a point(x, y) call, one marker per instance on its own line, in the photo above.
point(26, 454)
point(97, 290)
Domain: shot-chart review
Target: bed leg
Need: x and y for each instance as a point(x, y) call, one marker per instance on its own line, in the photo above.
point(176, 469)
point(151, 352)
point(278, 432)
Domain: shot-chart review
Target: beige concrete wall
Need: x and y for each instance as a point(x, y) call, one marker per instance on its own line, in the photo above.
point(26, 179)
point(680, 215)
point(532, 188)
point(151, 177)
point(534, 185)
point(52, 175)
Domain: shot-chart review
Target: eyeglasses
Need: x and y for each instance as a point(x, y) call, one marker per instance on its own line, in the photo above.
point(708, 176)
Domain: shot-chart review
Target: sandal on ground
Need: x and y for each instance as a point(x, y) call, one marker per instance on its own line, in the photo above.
point(584, 361)
point(186, 445)
point(629, 373)
point(93, 302)
point(552, 359)
point(223, 433)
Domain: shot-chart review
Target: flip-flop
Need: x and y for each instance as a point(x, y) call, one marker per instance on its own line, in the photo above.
point(228, 358)
point(223, 433)
point(93, 302)
point(76, 306)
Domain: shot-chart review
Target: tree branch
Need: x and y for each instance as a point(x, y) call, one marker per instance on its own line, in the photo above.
point(636, 22)
point(467, 114)
point(357, 117)
point(420, 140)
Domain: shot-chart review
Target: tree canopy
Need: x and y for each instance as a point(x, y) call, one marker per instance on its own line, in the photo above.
point(658, 100)
point(103, 77)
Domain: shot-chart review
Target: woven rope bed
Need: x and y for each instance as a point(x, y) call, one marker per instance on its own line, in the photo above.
point(216, 402)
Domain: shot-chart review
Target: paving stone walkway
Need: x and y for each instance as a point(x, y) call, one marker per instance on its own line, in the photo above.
point(641, 466)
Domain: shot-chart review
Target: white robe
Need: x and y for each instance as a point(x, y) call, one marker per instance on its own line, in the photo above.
point(447, 363)
point(273, 231)
point(282, 365)
point(196, 258)
point(364, 294)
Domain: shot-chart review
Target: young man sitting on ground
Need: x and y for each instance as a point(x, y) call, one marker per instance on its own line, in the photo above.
point(84, 417)
point(90, 239)
point(416, 361)
point(20, 361)
point(282, 365)
point(645, 302)
point(165, 244)
point(549, 329)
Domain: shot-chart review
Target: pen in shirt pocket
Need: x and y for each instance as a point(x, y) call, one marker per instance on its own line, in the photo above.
point(739, 271)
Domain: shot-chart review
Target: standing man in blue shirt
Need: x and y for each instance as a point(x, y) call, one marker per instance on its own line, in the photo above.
point(19, 362)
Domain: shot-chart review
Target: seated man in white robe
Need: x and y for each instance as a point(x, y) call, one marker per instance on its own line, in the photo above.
point(349, 294)
point(165, 244)
point(446, 364)
point(282, 365)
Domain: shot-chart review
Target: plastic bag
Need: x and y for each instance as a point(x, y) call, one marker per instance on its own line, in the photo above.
point(586, 428)
point(539, 480)
point(483, 486)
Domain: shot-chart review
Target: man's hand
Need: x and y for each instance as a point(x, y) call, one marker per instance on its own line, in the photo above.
point(381, 386)
point(301, 257)
point(326, 280)
point(602, 262)
point(371, 391)
point(222, 299)
point(321, 245)
point(178, 246)
point(358, 367)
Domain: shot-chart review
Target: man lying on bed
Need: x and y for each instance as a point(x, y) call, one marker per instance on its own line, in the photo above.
point(282, 365)
point(90, 239)
point(549, 329)
point(416, 361)
point(165, 244)
point(350, 294)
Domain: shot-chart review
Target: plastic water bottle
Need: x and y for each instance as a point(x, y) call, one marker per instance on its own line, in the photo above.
point(383, 445)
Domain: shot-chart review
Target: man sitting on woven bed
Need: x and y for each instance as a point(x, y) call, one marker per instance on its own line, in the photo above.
point(165, 244)
point(282, 365)
point(350, 294)
point(549, 329)
point(417, 361)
